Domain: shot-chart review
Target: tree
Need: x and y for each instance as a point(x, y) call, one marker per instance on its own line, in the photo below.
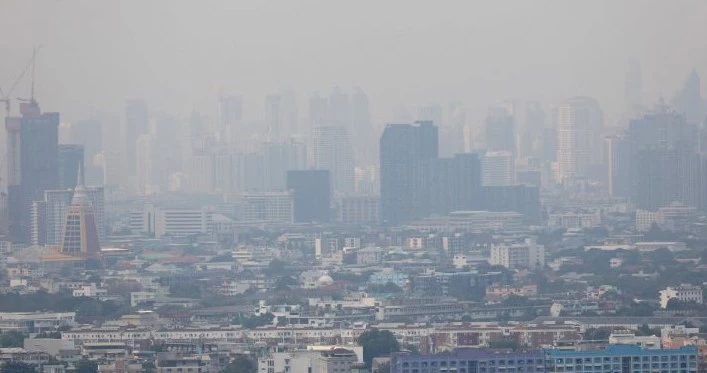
point(86, 366)
point(17, 367)
point(12, 339)
point(241, 364)
point(260, 320)
point(504, 344)
point(377, 343)
point(596, 334)
point(383, 368)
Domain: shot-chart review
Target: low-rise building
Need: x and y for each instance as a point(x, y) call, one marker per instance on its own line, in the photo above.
point(683, 293)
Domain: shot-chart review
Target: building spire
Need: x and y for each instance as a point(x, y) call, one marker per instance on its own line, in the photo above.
point(80, 196)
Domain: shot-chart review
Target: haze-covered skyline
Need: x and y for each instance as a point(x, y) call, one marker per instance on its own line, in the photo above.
point(178, 55)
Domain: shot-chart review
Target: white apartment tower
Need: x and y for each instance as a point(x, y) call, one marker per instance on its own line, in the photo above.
point(579, 127)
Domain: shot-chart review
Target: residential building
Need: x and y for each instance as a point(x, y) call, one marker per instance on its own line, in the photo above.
point(332, 150)
point(467, 360)
point(579, 127)
point(683, 293)
point(624, 358)
point(527, 255)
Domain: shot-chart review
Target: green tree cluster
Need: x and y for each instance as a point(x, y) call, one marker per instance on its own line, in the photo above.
point(12, 339)
point(377, 343)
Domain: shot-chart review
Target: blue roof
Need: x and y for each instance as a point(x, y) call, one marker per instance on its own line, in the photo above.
point(622, 350)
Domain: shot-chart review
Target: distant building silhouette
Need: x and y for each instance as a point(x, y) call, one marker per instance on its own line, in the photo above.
point(579, 142)
point(311, 193)
point(332, 150)
point(71, 158)
point(403, 150)
point(32, 162)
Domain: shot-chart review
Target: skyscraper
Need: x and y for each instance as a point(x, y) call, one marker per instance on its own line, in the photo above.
point(145, 163)
point(664, 160)
point(137, 122)
point(500, 130)
point(71, 158)
point(338, 113)
point(688, 100)
point(498, 169)
point(332, 150)
point(33, 164)
point(272, 117)
point(279, 158)
point(362, 129)
point(318, 107)
point(403, 150)
point(579, 128)
point(311, 194)
point(632, 88)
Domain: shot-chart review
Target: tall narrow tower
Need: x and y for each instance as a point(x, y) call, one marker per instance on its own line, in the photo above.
point(80, 233)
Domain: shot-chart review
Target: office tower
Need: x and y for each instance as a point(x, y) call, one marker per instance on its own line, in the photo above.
point(332, 150)
point(579, 128)
point(224, 173)
point(500, 130)
point(137, 123)
point(367, 180)
point(549, 145)
point(530, 141)
point(359, 210)
point(289, 114)
point(71, 158)
point(112, 169)
point(49, 215)
point(688, 100)
point(231, 110)
point(279, 158)
point(268, 207)
point(518, 198)
point(619, 168)
point(80, 231)
point(460, 135)
point(318, 108)
point(632, 88)
point(498, 169)
point(250, 176)
point(200, 170)
point(311, 194)
point(338, 113)
point(89, 134)
point(362, 129)
point(449, 184)
point(665, 165)
point(145, 163)
point(32, 162)
point(430, 113)
point(403, 149)
point(273, 121)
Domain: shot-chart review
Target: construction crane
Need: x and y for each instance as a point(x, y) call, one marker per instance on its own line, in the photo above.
point(31, 99)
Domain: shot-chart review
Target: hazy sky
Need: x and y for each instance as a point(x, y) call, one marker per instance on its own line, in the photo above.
point(178, 54)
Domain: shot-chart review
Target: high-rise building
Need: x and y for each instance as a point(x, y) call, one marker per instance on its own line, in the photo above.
point(318, 108)
point(279, 158)
point(311, 194)
point(361, 128)
point(89, 134)
point(403, 150)
point(339, 111)
point(528, 255)
point(145, 164)
point(665, 166)
point(231, 110)
point(272, 117)
point(498, 168)
point(688, 100)
point(359, 209)
point(332, 150)
point(530, 141)
point(579, 130)
point(449, 184)
point(619, 168)
point(71, 158)
point(633, 87)
point(137, 122)
point(80, 230)
point(500, 130)
point(32, 162)
point(201, 173)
